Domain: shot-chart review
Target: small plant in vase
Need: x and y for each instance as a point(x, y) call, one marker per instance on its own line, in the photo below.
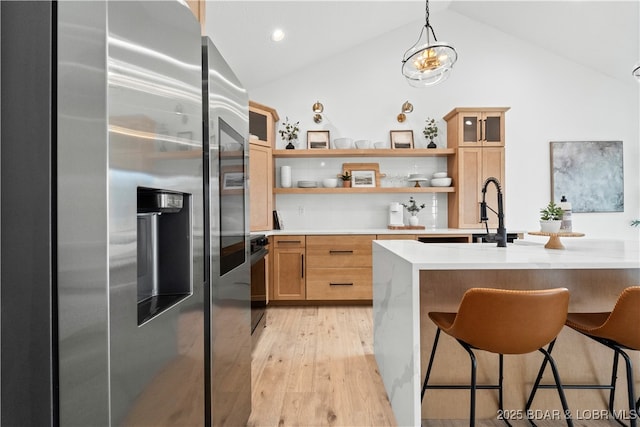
point(346, 179)
point(413, 208)
point(430, 131)
point(289, 133)
point(550, 218)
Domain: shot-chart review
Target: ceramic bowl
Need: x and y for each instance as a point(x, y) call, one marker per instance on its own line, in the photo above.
point(441, 182)
point(381, 144)
point(363, 144)
point(330, 182)
point(343, 143)
point(439, 175)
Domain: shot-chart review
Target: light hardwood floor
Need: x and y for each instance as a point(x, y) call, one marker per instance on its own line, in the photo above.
point(314, 366)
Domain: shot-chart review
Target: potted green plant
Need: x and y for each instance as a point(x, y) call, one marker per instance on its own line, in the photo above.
point(413, 208)
point(289, 133)
point(550, 218)
point(346, 179)
point(430, 131)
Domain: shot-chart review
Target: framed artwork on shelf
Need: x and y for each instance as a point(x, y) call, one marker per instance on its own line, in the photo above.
point(401, 138)
point(589, 174)
point(363, 179)
point(318, 139)
point(363, 174)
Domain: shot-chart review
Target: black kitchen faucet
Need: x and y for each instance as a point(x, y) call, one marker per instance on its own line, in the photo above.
point(501, 235)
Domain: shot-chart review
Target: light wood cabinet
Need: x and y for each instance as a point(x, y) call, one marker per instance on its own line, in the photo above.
point(339, 267)
point(262, 120)
point(288, 268)
point(260, 188)
point(477, 158)
point(397, 237)
point(476, 127)
point(262, 124)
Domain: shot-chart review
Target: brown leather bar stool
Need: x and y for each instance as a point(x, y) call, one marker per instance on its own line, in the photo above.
point(503, 322)
point(619, 330)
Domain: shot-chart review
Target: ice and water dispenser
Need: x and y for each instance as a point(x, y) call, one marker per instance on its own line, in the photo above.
point(164, 250)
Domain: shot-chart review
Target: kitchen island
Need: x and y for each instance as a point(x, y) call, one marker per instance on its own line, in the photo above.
point(412, 278)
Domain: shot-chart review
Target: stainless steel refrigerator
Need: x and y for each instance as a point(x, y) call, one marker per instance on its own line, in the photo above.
point(105, 302)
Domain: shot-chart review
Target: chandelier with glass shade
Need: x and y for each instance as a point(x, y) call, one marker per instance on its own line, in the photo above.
point(428, 63)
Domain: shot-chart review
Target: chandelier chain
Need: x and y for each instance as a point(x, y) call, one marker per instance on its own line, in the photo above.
point(427, 25)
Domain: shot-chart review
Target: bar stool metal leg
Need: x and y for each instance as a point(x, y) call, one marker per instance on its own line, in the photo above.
point(556, 376)
point(633, 415)
point(474, 368)
point(433, 353)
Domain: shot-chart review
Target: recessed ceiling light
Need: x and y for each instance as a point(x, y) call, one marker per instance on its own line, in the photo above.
point(277, 35)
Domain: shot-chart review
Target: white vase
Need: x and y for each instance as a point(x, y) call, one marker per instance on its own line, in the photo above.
point(550, 226)
point(413, 220)
point(285, 176)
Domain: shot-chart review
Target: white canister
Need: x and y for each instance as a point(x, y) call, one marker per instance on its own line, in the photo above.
point(285, 176)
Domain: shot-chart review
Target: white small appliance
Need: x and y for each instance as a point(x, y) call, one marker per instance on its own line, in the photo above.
point(395, 214)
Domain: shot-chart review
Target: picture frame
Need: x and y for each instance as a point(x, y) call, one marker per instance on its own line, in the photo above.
point(363, 178)
point(356, 168)
point(318, 139)
point(233, 180)
point(589, 174)
point(401, 139)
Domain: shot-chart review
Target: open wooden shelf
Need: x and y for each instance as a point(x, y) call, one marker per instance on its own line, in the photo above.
point(386, 152)
point(348, 190)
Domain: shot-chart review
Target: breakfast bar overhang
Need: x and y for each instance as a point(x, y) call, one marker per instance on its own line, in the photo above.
point(412, 278)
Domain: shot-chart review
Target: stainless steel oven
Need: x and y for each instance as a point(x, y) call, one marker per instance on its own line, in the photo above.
point(259, 291)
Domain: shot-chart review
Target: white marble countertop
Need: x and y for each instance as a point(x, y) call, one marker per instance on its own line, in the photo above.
point(578, 253)
point(397, 269)
point(311, 232)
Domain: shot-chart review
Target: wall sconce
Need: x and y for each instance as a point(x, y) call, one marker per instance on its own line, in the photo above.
point(317, 109)
point(407, 107)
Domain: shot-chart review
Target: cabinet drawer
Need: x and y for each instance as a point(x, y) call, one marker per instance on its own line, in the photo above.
point(339, 284)
point(339, 251)
point(280, 242)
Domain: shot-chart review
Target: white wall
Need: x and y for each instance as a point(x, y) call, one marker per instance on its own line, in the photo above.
point(551, 99)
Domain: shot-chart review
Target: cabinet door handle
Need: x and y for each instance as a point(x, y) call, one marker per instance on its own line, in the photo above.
point(482, 124)
point(340, 284)
point(302, 265)
point(335, 252)
point(289, 241)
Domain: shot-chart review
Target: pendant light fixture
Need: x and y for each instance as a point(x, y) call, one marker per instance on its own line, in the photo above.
point(427, 63)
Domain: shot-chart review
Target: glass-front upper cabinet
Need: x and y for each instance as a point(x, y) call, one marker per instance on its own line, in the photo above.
point(476, 127)
point(262, 121)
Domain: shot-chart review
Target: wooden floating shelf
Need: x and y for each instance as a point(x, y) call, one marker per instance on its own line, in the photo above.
point(386, 152)
point(350, 190)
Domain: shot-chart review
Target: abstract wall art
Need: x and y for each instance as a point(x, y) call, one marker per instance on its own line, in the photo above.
point(589, 173)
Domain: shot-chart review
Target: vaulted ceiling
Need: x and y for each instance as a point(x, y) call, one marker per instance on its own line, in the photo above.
point(602, 35)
